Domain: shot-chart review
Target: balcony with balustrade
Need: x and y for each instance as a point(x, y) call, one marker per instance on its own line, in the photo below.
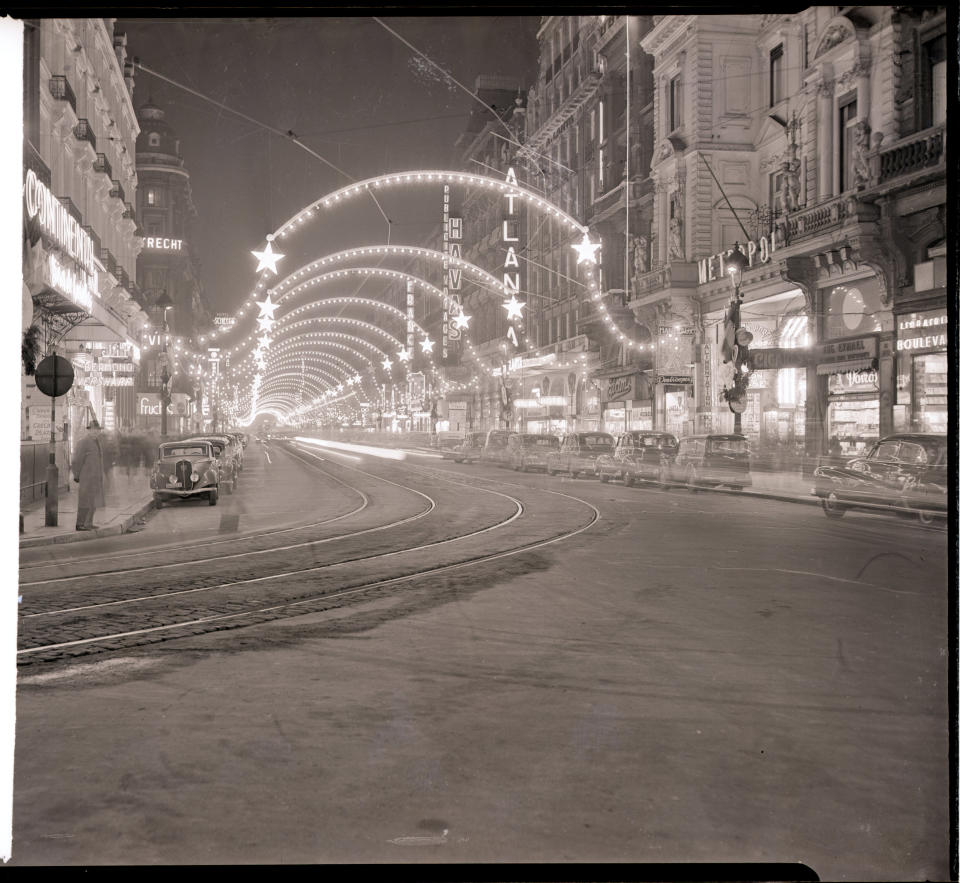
point(61, 90)
point(910, 160)
point(102, 166)
point(83, 131)
point(116, 192)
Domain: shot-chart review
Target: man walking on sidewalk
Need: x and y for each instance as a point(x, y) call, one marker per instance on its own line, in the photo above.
point(88, 471)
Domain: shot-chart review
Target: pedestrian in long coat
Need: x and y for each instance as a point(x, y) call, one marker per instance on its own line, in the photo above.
point(88, 472)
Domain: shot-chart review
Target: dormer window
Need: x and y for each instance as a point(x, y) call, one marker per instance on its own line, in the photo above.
point(153, 139)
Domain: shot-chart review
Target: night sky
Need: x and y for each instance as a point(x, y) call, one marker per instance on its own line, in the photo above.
point(347, 87)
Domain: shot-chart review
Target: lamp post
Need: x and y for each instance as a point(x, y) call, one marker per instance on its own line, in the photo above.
point(735, 263)
point(164, 303)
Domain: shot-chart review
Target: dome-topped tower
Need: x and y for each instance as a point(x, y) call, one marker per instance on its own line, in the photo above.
point(157, 136)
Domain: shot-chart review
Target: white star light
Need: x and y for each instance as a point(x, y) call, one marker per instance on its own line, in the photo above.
point(356, 378)
point(586, 250)
point(339, 387)
point(265, 323)
point(387, 364)
point(267, 307)
point(264, 341)
point(404, 355)
point(514, 308)
point(462, 321)
point(426, 345)
point(268, 258)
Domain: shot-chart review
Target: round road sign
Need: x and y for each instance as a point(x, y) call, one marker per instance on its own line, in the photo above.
point(54, 376)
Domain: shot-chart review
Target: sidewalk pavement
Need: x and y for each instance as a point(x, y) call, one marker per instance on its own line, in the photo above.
point(128, 498)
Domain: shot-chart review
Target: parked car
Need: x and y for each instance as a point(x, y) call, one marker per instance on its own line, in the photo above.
point(529, 451)
point(704, 460)
point(905, 472)
point(578, 453)
point(185, 469)
point(224, 450)
point(640, 455)
point(469, 449)
point(495, 447)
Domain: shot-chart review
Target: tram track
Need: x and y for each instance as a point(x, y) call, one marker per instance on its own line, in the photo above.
point(300, 599)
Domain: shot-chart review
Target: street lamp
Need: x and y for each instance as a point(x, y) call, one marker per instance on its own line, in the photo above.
point(736, 262)
point(164, 303)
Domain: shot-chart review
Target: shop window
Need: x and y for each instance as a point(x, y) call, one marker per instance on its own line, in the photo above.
point(854, 308)
point(847, 142)
point(776, 75)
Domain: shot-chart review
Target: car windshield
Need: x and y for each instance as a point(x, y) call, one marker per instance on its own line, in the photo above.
point(597, 443)
point(727, 446)
point(659, 441)
point(184, 451)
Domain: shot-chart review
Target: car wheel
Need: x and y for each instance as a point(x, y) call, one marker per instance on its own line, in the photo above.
point(213, 497)
point(832, 507)
point(929, 518)
point(692, 479)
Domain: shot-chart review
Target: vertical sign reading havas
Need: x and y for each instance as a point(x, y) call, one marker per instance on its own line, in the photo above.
point(411, 317)
point(511, 264)
point(452, 245)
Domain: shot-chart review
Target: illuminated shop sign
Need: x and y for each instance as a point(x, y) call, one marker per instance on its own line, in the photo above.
point(74, 283)
point(758, 251)
point(511, 264)
point(845, 355)
point(621, 388)
point(55, 220)
point(919, 332)
point(224, 321)
point(164, 244)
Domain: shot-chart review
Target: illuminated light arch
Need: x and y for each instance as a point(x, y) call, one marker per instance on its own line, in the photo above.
point(345, 320)
point(381, 251)
point(421, 176)
point(317, 385)
point(330, 362)
point(359, 301)
point(308, 342)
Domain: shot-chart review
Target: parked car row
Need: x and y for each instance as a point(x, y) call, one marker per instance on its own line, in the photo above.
point(905, 472)
point(197, 467)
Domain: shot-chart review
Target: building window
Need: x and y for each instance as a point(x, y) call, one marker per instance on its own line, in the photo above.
point(934, 108)
point(848, 119)
point(673, 104)
point(153, 139)
point(776, 203)
point(776, 75)
point(152, 197)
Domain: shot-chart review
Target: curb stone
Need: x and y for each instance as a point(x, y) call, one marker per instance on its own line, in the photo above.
point(81, 536)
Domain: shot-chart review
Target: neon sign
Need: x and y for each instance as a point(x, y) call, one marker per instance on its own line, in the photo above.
point(511, 264)
point(164, 244)
point(73, 283)
point(58, 222)
point(712, 268)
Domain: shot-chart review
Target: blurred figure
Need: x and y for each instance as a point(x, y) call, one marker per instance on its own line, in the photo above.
point(88, 473)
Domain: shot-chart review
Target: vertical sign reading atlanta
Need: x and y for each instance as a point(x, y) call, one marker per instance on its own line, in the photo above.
point(511, 265)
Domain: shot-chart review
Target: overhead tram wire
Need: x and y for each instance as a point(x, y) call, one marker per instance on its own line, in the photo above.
point(289, 134)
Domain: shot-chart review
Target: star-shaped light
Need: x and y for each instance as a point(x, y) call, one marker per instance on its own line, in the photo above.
point(265, 323)
point(426, 345)
point(514, 308)
point(339, 387)
point(462, 321)
point(586, 250)
point(387, 363)
point(404, 355)
point(356, 378)
point(268, 258)
point(267, 306)
point(264, 340)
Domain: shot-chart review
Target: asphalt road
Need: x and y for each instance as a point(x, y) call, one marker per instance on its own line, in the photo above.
point(694, 677)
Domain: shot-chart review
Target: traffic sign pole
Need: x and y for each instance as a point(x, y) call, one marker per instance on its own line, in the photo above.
point(54, 376)
point(53, 474)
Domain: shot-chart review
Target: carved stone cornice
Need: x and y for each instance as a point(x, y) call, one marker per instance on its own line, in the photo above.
point(801, 270)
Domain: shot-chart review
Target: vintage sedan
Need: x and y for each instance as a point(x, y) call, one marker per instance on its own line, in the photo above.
point(640, 455)
point(529, 451)
point(715, 459)
point(578, 453)
point(905, 473)
point(224, 449)
point(495, 447)
point(469, 449)
point(186, 469)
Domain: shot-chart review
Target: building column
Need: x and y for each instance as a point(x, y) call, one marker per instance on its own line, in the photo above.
point(887, 381)
point(825, 145)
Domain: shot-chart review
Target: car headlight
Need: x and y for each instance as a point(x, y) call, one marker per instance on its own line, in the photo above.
point(194, 476)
